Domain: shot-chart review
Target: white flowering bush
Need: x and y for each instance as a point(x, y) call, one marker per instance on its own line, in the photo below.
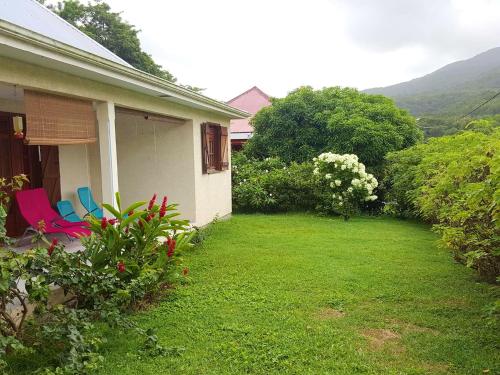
point(345, 177)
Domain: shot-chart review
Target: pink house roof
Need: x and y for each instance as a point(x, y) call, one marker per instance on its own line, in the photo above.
point(251, 101)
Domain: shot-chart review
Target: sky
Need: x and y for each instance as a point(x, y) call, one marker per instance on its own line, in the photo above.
point(228, 46)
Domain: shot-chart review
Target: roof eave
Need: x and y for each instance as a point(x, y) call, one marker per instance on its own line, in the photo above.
point(130, 75)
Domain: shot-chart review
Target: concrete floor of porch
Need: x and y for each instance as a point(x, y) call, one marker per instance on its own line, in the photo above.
point(25, 243)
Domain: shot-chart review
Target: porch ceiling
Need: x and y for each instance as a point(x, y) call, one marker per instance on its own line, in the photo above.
point(11, 92)
point(149, 116)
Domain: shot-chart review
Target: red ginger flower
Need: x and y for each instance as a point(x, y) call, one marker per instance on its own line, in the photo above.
point(150, 217)
point(131, 213)
point(120, 266)
point(152, 202)
point(112, 221)
point(163, 208)
point(104, 222)
point(171, 246)
point(53, 245)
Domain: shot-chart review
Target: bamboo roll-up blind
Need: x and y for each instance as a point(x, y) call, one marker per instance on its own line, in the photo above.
point(58, 120)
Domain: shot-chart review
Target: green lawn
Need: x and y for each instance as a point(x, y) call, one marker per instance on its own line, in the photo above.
point(302, 294)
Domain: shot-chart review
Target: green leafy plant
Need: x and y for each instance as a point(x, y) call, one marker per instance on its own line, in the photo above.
point(7, 187)
point(125, 263)
point(19, 288)
point(308, 122)
point(271, 185)
point(126, 258)
point(74, 334)
point(140, 244)
point(454, 183)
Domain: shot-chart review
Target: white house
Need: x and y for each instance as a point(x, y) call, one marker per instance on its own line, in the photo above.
point(91, 119)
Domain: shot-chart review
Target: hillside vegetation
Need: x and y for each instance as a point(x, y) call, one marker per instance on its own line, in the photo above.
point(442, 98)
point(454, 89)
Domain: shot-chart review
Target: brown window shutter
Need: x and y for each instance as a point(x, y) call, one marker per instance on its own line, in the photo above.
point(204, 148)
point(224, 157)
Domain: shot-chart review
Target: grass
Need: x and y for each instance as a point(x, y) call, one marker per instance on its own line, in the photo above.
point(299, 294)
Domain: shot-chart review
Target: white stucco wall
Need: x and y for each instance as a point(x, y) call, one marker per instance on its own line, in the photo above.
point(169, 158)
point(152, 157)
point(155, 157)
point(74, 170)
point(214, 187)
point(78, 166)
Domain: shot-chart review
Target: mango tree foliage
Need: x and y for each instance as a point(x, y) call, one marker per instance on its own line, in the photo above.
point(308, 122)
point(109, 29)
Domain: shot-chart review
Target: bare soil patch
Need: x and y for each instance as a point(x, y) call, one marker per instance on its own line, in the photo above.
point(329, 313)
point(436, 368)
point(406, 327)
point(378, 338)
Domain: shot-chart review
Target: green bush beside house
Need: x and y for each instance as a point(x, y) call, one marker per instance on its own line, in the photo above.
point(128, 261)
point(270, 185)
point(453, 182)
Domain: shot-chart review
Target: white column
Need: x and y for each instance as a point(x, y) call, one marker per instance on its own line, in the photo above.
point(107, 146)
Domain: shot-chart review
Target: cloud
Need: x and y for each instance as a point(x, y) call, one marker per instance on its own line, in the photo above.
point(439, 26)
point(228, 46)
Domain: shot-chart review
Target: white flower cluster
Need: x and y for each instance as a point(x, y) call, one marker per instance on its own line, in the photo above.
point(347, 176)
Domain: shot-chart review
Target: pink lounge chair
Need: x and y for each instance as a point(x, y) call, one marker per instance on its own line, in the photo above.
point(35, 207)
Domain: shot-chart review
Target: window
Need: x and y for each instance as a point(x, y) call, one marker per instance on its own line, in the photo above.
point(214, 147)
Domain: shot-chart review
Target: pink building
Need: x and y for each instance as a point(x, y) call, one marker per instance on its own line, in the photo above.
point(250, 101)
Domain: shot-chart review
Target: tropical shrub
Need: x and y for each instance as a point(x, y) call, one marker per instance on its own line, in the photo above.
point(270, 185)
point(139, 245)
point(308, 122)
point(61, 327)
point(19, 287)
point(347, 181)
point(486, 125)
point(6, 188)
point(454, 183)
point(126, 261)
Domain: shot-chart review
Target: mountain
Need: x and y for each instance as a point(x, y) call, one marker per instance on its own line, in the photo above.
point(453, 90)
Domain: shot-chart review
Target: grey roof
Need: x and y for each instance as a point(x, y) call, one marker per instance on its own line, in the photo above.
point(33, 16)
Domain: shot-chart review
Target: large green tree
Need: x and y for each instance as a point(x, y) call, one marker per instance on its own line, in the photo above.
point(109, 29)
point(308, 122)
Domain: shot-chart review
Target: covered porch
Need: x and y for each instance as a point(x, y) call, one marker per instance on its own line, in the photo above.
point(70, 142)
point(144, 137)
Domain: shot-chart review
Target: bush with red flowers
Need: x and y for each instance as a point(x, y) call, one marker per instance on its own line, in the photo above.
point(126, 260)
point(140, 240)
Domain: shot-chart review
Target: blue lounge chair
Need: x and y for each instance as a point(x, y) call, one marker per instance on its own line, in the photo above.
point(88, 202)
point(67, 211)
